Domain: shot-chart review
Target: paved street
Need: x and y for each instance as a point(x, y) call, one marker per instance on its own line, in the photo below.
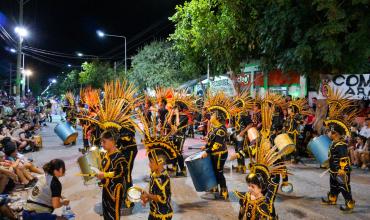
point(303, 203)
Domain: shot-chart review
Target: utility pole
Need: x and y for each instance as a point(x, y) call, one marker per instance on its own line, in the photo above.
point(19, 55)
point(10, 79)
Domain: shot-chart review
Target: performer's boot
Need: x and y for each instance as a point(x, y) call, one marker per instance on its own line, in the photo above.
point(348, 208)
point(224, 194)
point(243, 169)
point(330, 200)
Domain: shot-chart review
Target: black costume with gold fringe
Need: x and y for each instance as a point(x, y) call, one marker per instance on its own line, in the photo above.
point(113, 187)
point(340, 115)
point(70, 109)
point(222, 108)
point(126, 143)
point(161, 149)
point(242, 121)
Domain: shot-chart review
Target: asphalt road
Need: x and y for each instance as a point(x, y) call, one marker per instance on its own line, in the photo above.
point(303, 203)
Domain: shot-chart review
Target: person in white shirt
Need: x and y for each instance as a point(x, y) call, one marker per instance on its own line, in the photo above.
point(365, 130)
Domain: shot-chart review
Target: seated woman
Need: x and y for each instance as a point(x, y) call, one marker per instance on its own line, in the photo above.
point(47, 194)
point(360, 149)
point(20, 168)
point(365, 155)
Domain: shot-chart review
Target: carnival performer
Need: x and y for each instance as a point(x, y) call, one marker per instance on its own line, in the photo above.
point(126, 143)
point(242, 123)
point(112, 176)
point(179, 121)
point(161, 151)
point(258, 202)
point(341, 114)
point(221, 108)
point(70, 108)
point(114, 115)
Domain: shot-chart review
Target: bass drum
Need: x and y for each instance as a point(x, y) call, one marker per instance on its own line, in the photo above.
point(66, 133)
point(319, 146)
point(201, 172)
point(284, 143)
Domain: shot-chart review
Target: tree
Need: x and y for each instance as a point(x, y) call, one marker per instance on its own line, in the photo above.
point(311, 37)
point(96, 73)
point(157, 64)
point(69, 82)
point(222, 32)
point(316, 37)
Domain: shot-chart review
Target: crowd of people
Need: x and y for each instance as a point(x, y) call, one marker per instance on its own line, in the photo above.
point(19, 128)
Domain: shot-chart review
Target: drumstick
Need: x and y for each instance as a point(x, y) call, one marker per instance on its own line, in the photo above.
point(86, 174)
point(194, 148)
point(323, 173)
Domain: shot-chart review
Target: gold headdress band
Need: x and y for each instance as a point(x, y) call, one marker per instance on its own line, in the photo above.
point(341, 111)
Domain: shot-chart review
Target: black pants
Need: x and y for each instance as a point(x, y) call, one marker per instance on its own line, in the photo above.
point(218, 161)
point(179, 142)
point(239, 145)
point(340, 184)
point(111, 207)
point(129, 154)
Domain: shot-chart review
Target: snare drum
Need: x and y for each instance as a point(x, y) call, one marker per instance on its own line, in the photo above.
point(134, 194)
point(284, 143)
point(38, 141)
point(201, 172)
point(319, 146)
point(85, 168)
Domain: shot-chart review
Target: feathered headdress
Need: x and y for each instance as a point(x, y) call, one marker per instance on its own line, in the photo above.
point(300, 106)
point(274, 99)
point(264, 164)
point(70, 98)
point(156, 143)
point(221, 103)
point(121, 90)
point(341, 112)
point(163, 94)
point(181, 99)
point(244, 101)
point(91, 97)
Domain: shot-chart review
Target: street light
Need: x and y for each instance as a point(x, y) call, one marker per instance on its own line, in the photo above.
point(28, 73)
point(79, 54)
point(53, 81)
point(69, 65)
point(21, 31)
point(12, 50)
point(102, 34)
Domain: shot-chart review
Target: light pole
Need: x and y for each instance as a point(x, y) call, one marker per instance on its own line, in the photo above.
point(21, 32)
point(102, 34)
point(28, 73)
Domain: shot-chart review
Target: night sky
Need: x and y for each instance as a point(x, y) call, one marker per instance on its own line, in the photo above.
point(69, 26)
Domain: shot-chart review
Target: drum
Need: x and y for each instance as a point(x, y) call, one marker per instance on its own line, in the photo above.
point(201, 172)
point(38, 141)
point(134, 194)
point(93, 157)
point(252, 134)
point(66, 132)
point(284, 143)
point(85, 168)
point(319, 146)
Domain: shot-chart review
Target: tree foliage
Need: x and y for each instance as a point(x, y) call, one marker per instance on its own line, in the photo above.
point(96, 73)
point(311, 37)
point(157, 64)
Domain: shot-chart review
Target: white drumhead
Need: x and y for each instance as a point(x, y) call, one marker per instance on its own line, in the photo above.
point(134, 194)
